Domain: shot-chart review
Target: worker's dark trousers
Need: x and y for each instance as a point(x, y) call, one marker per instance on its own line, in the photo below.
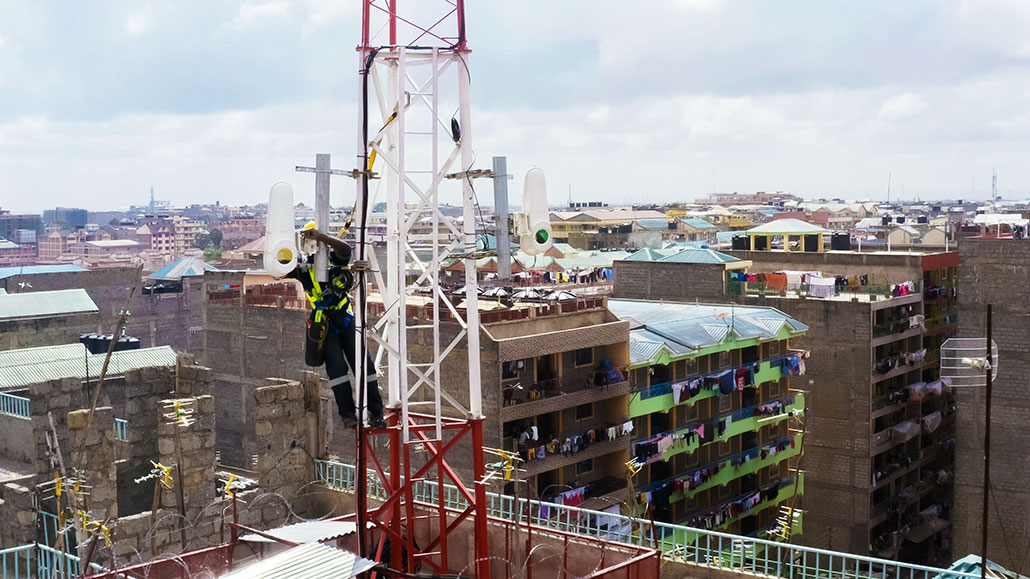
point(339, 357)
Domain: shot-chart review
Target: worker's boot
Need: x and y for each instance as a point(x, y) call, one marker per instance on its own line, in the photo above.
point(376, 421)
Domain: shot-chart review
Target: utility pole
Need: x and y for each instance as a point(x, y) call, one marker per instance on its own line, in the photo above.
point(501, 213)
point(989, 368)
point(322, 172)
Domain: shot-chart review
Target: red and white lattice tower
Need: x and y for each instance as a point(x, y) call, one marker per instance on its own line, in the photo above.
point(416, 127)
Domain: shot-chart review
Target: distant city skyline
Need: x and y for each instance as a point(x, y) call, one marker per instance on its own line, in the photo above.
point(621, 103)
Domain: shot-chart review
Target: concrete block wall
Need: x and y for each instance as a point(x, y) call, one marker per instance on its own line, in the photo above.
point(994, 271)
point(17, 512)
point(92, 449)
point(254, 341)
point(47, 331)
point(157, 320)
point(668, 281)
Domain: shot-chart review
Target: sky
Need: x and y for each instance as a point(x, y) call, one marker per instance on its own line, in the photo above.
point(621, 102)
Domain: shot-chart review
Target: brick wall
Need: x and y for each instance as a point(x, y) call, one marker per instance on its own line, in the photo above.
point(994, 271)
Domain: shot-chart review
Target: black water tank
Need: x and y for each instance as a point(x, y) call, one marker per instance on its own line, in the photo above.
point(126, 343)
point(901, 219)
point(103, 343)
point(761, 243)
point(885, 220)
point(840, 241)
point(91, 343)
point(739, 241)
point(925, 219)
point(811, 243)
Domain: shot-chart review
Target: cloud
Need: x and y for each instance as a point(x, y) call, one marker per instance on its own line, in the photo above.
point(205, 99)
point(250, 12)
point(140, 22)
point(901, 106)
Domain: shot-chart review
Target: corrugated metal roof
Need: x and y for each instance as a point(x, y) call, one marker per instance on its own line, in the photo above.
point(646, 255)
point(312, 560)
point(683, 328)
point(20, 368)
point(696, 255)
point(305, 532)
point(41, 304)
point(653, 223)
point(185, 267)
point(698, 223)
point(6, 272)
point(973, 563)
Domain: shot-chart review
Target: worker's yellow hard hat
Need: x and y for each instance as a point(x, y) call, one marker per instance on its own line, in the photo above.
point(309, 225)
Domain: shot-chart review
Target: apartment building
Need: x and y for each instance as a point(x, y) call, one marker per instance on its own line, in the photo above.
point(881, 426)
point(555, 392)
point(717, 422)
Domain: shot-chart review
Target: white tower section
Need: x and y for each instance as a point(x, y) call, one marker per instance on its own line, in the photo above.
point(418, 95)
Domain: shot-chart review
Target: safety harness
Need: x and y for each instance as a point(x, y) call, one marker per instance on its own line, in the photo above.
point(321, 302)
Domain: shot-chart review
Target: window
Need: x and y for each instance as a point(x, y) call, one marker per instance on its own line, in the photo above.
point(725, 449)
point(691, 367)
point(584, 466)
point(726, 402)
point(584, 356)
point(749, 355)
point(724, 491)
point(584, 411)
point(724, 360)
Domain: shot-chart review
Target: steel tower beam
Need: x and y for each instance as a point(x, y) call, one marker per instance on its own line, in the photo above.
point(415, 135)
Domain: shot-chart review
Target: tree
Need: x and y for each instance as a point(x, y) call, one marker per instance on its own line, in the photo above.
point(379, 207)
point(216, 238)
point(212, 254)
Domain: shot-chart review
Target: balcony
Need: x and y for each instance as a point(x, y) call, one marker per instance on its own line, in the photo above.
point(728, 472)
point(559, 393)
point(741, 421)
point(659, 397)
point(555, 460)
point(786, 487)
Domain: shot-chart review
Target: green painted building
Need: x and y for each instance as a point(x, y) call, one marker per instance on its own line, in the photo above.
point(717, 424)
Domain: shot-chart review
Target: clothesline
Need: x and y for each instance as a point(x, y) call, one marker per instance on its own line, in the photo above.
point(736, 460)
point(651, 449)
point(794, 364)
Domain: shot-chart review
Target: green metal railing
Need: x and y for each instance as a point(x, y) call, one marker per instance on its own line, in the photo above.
point(677, 542)
point(38, 560)
point(121, 429)
point(14, 405)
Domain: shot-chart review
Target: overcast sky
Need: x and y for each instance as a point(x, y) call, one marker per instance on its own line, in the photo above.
point(623, 101)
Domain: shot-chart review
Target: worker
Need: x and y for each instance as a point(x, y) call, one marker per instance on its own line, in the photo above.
point(331, 329)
